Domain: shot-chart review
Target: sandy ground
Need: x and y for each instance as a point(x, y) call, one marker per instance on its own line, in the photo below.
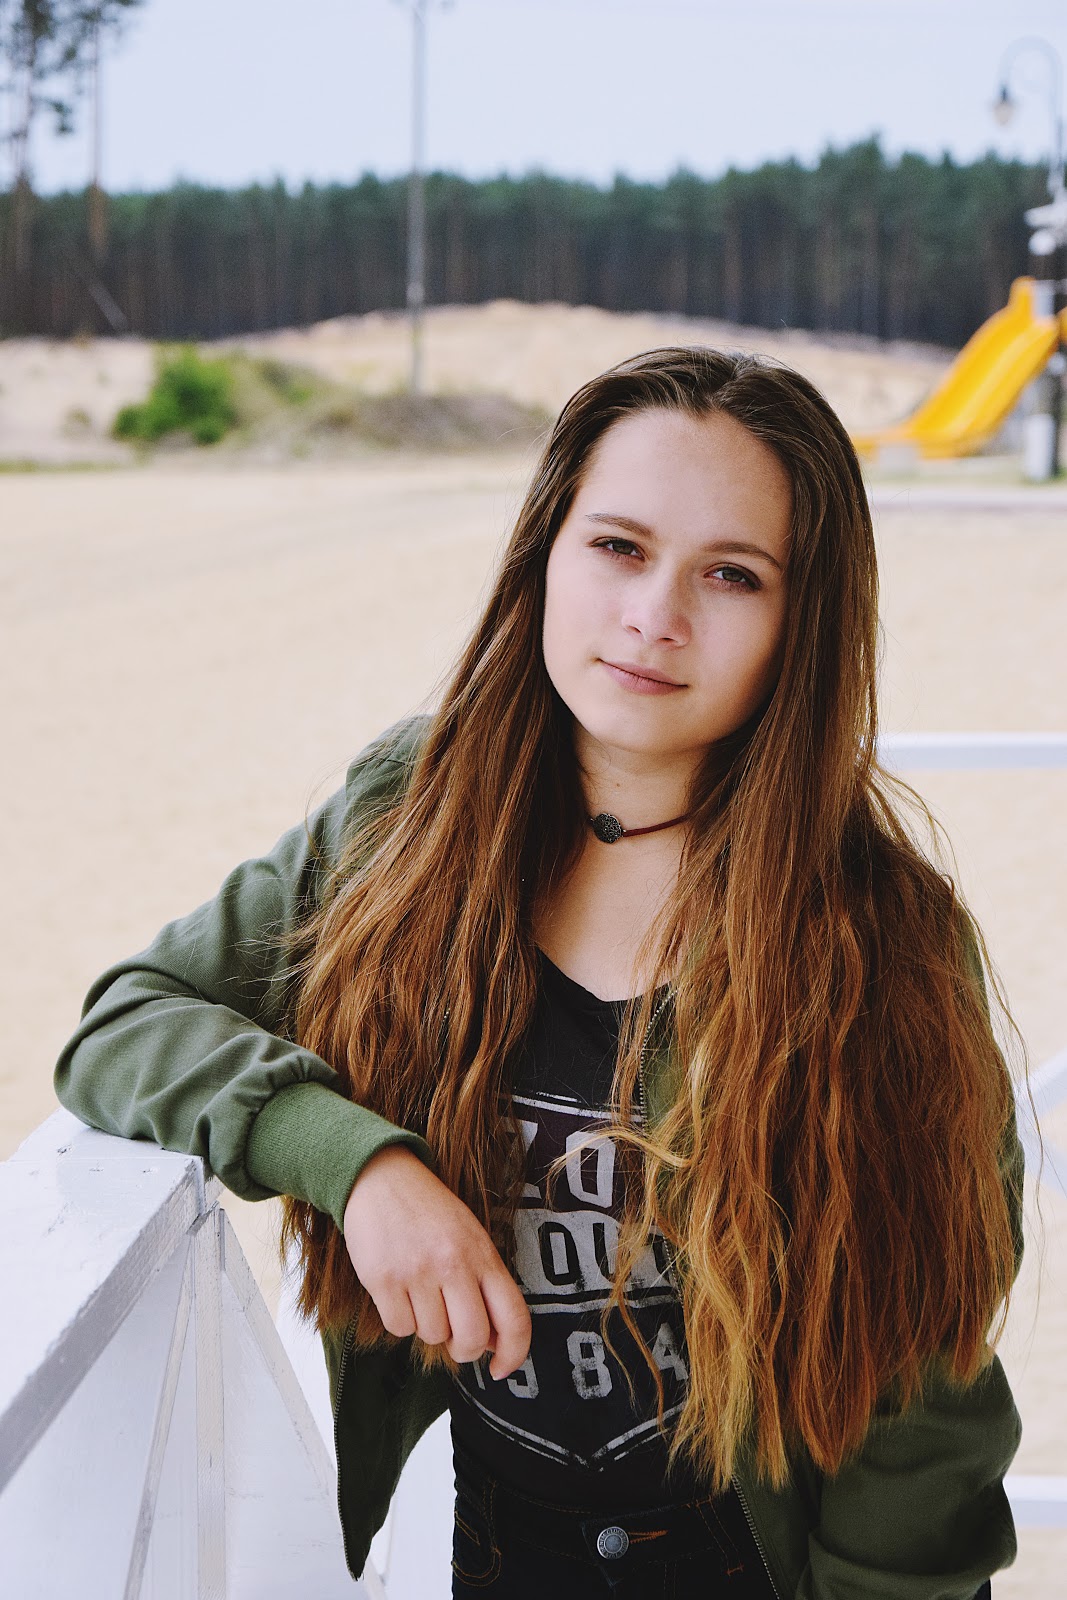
point(191, 657)
point(57, 401)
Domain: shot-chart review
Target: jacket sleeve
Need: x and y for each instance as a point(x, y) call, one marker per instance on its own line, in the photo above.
point(185, 1044)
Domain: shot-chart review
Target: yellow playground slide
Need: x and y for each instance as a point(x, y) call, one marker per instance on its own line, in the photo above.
point(982, 384)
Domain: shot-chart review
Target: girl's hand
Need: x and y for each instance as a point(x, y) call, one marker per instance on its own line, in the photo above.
point(429, 1265)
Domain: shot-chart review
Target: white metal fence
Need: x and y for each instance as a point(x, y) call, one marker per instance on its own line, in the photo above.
point(156, 1441)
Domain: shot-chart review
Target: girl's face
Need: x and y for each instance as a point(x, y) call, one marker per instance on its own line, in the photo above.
point(665, 597)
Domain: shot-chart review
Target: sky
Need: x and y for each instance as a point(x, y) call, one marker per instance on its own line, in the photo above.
point(229, 92)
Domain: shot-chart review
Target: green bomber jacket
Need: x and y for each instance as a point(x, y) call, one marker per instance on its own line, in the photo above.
point(186, 1044)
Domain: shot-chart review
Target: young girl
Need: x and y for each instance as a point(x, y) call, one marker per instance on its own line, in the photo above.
point(626, 1069)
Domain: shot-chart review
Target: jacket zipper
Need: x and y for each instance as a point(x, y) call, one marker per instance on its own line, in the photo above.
point(755, 1535)
point(641, 1098)
point(643, 1104)
point(346, 1346)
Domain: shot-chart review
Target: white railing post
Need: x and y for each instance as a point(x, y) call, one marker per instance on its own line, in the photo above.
point(210, 1412)
point(160, 1431)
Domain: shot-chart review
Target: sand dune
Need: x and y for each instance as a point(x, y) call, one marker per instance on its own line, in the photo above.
point(57, 401)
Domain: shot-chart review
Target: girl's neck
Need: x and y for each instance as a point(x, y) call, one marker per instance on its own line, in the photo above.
point(595, 924)
point(638, 789)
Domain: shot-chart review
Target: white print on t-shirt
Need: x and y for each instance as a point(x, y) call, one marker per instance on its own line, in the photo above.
point(566, 1243)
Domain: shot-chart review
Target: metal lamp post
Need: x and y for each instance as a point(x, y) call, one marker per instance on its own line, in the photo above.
point(1005, 105)
point(1049, 236)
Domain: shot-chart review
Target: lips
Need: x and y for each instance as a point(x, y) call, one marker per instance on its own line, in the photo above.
point(639, 679)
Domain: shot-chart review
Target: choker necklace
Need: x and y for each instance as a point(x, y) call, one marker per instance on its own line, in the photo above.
point(609, 830)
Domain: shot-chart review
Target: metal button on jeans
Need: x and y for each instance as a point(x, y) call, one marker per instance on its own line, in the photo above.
point(612, 1542)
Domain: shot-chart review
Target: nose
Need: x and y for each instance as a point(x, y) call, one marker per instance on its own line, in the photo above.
point(655, 608)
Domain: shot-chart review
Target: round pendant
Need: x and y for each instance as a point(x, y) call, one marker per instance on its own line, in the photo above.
point(607, 828)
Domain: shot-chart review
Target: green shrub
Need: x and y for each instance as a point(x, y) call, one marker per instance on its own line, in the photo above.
point(190, 395)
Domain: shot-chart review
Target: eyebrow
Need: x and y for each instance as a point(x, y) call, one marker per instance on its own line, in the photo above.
point(714, 546)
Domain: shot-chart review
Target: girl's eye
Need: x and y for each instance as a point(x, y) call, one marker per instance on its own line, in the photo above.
point(617, 547)
point(735, 577)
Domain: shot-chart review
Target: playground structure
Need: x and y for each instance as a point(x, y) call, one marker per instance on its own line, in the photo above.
point(984, 383)
point(1013, 349)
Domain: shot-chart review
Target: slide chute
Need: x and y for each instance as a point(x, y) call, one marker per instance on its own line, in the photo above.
point(982, 385)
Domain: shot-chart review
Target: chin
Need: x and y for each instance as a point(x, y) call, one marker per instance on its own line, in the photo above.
point(636, 739)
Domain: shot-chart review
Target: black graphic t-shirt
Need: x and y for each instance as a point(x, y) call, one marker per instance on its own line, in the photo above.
point(567, 1426)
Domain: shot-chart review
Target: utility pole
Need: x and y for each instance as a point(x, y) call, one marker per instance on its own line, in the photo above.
point(416, 268)
point(416, 296)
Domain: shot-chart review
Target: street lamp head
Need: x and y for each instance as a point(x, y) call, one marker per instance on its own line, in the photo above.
point(1004, 106)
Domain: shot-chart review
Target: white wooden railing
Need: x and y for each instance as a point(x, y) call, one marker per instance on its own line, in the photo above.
point(154, 1440)
point(161, 1438)
point(976, 752)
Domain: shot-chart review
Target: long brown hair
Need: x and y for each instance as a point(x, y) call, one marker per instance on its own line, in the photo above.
point(826, 1160)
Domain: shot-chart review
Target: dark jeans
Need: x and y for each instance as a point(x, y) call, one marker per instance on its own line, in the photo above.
point(508, 1546)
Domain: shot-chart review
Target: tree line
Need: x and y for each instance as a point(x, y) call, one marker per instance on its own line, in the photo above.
point(49, 61)
point(905, 248)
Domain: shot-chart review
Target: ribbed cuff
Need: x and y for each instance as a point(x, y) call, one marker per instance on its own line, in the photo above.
point(310, 1142)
